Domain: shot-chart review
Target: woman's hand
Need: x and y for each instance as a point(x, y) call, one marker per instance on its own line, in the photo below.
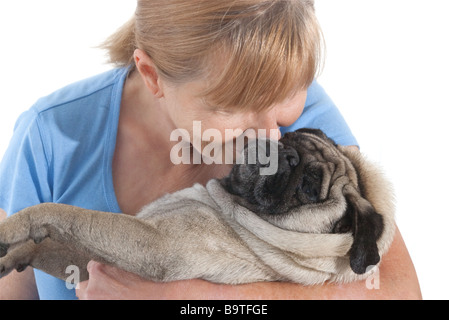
point(110, 283)
point(397, 280)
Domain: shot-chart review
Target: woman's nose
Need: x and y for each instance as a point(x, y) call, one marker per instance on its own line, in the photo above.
point(285, 113)
point(268, 121)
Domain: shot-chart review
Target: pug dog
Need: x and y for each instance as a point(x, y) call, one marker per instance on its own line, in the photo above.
point(326, 215)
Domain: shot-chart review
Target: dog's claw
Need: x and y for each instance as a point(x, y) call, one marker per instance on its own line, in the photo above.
point(21, 267)
point(3, 249)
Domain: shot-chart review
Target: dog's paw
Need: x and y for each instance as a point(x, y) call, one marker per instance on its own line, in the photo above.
point(18, 259)
point(7, 266)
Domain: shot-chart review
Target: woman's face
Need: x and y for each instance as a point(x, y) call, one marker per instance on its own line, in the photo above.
point(187, 109)
point(216, 128)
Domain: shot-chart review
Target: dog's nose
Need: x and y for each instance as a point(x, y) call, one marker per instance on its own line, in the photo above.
point(291, 156)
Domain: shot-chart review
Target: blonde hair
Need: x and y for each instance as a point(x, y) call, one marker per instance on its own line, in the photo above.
point(256, 53)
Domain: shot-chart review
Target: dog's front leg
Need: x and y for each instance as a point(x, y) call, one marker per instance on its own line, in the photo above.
point(105, 237)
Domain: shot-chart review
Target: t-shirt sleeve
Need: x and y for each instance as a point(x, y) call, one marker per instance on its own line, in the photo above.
point(24, 179)
point(321, 112)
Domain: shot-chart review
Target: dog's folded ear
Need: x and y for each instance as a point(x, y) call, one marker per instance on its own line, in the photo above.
point(367, 227)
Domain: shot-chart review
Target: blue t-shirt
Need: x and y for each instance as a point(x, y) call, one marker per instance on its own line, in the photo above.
point(62, 151)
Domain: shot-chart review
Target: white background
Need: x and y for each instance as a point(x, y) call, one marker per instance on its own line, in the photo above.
point(387, 69)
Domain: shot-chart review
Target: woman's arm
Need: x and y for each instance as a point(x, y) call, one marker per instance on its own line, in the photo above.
point(397, 280)
point(18, 286)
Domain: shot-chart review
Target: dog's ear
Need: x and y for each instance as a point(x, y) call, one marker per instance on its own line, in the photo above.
point(367, 227)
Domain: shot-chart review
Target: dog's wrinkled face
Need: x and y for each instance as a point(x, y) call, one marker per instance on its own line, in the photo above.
point(312, 173)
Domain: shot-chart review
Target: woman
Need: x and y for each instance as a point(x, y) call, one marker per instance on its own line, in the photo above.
point(104, 143)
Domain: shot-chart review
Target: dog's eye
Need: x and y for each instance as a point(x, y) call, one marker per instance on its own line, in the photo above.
point(309, 188)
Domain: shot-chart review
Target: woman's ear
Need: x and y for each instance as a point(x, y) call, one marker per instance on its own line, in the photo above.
point(149, 73)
